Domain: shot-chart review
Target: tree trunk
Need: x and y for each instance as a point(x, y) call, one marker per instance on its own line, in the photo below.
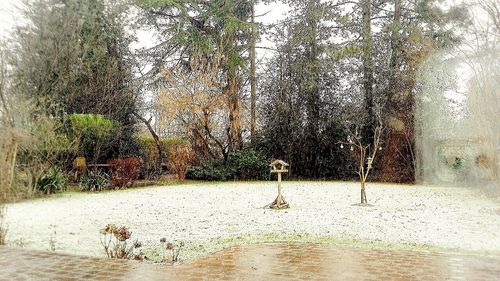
point(201, 148)
point(364, 201)
point(395, 47)
point(231, 90)
point(368, 70)
point(155, 136)
point(253, 78)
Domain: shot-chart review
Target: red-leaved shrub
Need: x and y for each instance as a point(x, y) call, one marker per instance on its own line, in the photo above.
point(179, 161)
point(124, 171)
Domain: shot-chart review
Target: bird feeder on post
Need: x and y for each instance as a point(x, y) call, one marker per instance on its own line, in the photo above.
point(279, 167)
point(369, 161)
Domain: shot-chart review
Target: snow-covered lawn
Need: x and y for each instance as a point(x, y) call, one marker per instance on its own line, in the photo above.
point(198, 213)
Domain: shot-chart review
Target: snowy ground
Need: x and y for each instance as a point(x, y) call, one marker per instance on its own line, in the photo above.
point(199, 213)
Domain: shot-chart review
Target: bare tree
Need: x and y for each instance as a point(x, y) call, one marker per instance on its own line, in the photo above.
point(365, 149)
point(193, 101)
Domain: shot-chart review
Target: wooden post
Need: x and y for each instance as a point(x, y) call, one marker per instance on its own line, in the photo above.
point(279, 167)
point(279, 184)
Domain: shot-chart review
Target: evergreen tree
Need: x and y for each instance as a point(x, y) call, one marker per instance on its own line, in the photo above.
point(71, 58)
point(298, 94)
point(362, 58)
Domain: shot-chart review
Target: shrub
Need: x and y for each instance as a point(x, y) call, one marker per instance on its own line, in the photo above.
point(115, 242)
point(52, 182)
point(149, 154)
point(243, 165)
point(179, 161)
point(94, 181)
point(211, 170)
point(95, 134)
point(250, 164)
point(124, 171)
point(47, 144)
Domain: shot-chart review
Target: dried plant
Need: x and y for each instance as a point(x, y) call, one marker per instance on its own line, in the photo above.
point(173, 247)
point(9, 142)
point(115, 241)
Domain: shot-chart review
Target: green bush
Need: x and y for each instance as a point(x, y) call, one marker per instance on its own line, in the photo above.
point(52, 182)
point(94, 133)
point(100, 138)
point(250, 165)
point(94, 181)
point(243, 165)
point(90, 122)
point(212, 170)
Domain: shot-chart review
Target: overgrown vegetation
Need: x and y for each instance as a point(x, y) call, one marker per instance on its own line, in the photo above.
point(148, 152)
point(52, 182)
point(243, 165)
point(179, 160)
point(94, 180)
point(124, 171)
point(94, 133)
point(47, 147)
point(323, 74)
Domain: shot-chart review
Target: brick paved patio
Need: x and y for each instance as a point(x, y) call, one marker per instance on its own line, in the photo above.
point(276, 261)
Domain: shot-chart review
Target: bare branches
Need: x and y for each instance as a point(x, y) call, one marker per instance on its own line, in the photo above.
point(193, 103)
point(493, 10)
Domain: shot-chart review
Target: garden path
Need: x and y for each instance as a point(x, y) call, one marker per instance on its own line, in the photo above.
point(274, 261)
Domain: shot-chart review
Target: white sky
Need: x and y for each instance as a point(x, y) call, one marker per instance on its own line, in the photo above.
point(6, 18)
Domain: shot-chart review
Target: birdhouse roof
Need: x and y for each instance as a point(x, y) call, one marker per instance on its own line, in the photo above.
point(279, 162)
